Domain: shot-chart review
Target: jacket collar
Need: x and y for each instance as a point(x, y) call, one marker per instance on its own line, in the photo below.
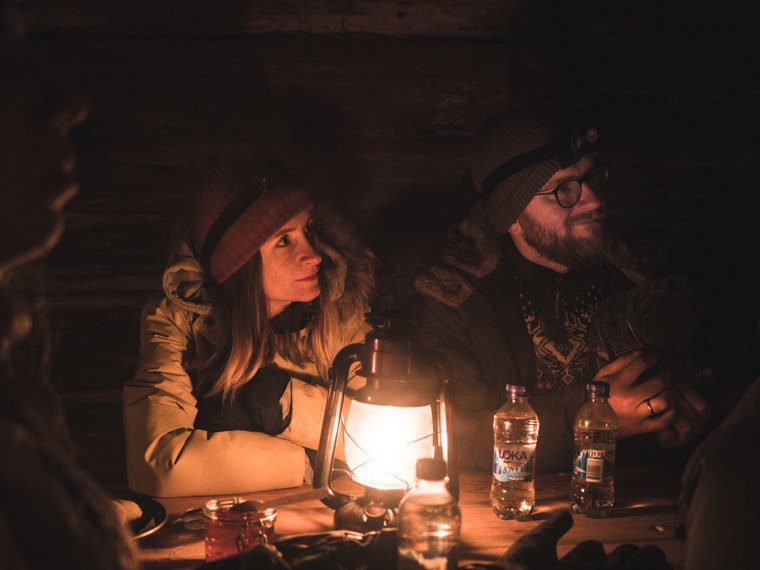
point(474, 249)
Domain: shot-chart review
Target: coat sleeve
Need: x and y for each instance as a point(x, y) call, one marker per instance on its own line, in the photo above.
point(719, 492)
point(306, 398)
point(482, 360)
point(166, 457)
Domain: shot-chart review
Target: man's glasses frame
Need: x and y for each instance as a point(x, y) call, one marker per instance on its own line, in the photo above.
point(568, 193)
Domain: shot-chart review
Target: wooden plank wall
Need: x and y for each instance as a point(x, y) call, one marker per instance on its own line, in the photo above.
point(374, 104)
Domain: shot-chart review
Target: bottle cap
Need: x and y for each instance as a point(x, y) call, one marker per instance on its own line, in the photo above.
point(431, 469)
point(597, 388)
point(516, 390)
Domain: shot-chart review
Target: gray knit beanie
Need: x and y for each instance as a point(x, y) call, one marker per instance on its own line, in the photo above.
point(503, 137)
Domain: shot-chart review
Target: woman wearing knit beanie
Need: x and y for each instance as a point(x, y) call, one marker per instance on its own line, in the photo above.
point(260, 293)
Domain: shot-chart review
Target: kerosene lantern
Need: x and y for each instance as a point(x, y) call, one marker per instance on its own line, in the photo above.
point(400, 414)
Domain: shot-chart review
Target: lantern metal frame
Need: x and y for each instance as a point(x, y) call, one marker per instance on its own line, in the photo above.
point(398, 372)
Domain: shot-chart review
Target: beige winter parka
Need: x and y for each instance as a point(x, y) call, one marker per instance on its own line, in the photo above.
point(166, 456)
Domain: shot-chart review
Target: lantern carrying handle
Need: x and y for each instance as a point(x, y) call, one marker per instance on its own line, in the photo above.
point(323, 469)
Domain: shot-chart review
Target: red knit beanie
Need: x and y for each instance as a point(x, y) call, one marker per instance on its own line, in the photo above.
point(235, 208)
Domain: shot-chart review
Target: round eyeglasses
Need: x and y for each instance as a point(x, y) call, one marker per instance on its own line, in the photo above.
point(569, 192)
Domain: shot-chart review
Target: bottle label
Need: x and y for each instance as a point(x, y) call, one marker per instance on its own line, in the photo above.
point(593, 465)
point(514, 463)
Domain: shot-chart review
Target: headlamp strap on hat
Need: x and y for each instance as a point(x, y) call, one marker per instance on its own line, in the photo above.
point(568, 148)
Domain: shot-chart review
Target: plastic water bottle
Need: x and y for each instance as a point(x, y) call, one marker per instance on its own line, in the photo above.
point(515, 432)
point(592, 490)
point(429, 521)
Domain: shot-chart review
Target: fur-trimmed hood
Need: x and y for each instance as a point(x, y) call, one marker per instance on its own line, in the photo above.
point(347, 263)
point(473, 249)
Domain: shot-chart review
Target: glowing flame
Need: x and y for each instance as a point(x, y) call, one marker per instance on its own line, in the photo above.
point(383, 443)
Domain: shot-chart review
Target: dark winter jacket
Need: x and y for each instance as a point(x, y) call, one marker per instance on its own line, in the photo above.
point(490, 312)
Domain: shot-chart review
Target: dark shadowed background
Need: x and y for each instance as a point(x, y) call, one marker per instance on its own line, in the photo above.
point(374, 103)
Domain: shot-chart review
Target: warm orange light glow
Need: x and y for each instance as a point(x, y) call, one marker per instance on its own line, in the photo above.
point(383, 443)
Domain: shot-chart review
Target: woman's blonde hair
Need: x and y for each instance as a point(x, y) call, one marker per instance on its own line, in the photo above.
point(301, 333)
point(237, 205)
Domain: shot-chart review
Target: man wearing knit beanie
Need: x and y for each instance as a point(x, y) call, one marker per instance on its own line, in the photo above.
point(520, 154)
point(512, 298)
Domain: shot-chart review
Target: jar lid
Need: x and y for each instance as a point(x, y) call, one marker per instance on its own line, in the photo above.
point(219, 509)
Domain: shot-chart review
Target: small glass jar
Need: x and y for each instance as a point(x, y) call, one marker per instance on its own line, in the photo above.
point(229, 532)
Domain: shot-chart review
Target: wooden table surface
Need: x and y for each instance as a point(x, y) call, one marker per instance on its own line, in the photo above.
point(645, 513)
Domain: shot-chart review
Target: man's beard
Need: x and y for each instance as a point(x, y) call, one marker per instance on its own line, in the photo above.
point(567, 250)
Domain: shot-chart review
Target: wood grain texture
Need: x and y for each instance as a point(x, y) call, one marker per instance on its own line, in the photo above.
point(645, 513)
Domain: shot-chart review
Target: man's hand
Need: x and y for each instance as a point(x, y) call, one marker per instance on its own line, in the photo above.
point(632, 402)
point(675, 412)
point(692, 413)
